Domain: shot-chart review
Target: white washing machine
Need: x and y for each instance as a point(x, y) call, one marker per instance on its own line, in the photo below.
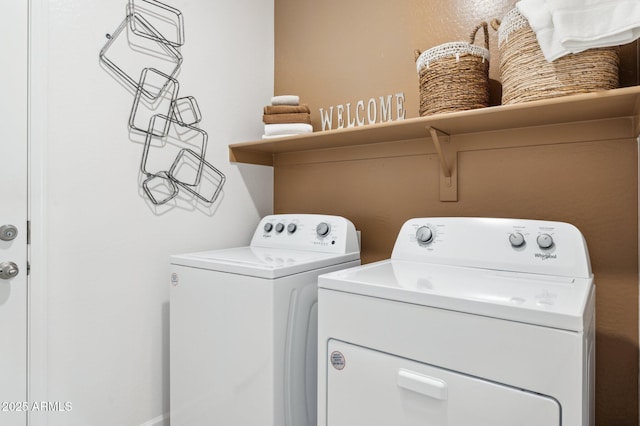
point(483, 322)
point(243, 323)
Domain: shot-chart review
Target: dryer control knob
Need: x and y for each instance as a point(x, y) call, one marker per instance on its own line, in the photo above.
point(424, 235)
point(545, 241)
point(291, 228)
point(279, 228)
point(323, 229)
point(268, 227)
point(516, 239)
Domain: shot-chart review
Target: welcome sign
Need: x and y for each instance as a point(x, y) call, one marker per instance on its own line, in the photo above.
point(376, 110)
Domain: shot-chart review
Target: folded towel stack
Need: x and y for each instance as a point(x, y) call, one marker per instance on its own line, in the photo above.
point(286, 117)
point(572, 26)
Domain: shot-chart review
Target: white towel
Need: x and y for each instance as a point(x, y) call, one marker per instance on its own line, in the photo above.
point(537, 13)
point(285, 100)
point(541, 22)
point(572, 26)
point(287, 129)
point(588, 24)
point(277, 136)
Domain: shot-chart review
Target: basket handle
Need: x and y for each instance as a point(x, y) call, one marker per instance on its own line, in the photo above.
point(495, 24)
point(485, 27)
point(416, 54)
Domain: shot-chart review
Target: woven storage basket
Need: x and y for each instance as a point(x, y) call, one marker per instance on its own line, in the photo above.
point(454, 76)
point(526, 75)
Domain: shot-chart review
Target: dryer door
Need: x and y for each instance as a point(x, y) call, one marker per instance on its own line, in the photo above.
point(366, 387)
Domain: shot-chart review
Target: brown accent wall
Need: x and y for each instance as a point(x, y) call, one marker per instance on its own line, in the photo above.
point(333, 52)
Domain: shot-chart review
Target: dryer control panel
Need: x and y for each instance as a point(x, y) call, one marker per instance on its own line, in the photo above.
point(519, 245)
point(310, 232)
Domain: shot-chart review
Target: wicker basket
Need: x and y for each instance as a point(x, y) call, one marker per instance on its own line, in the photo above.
point(454, 76)
point(526, 75)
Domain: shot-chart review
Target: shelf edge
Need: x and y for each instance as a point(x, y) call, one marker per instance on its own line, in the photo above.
point(247, 156)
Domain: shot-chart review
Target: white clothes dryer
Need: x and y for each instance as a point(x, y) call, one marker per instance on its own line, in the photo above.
point(243, 323)
point(483, 322)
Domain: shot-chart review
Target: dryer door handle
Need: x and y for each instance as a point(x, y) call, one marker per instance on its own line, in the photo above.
point(425, 385)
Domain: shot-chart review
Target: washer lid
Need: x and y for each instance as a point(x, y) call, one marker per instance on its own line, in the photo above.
point(261, 262)
point(546, 300)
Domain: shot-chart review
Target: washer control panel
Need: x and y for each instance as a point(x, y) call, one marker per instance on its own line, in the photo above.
point(323, 233)
point(502, 244)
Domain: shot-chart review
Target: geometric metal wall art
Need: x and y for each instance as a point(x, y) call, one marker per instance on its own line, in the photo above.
point(143, 52)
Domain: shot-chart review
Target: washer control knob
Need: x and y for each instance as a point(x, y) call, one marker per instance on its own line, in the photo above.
point(268, 227)
point(323, 229)
point(516, 239)
point(424, 235)
point(291, 228)
point(545, 241)
point(279, 228)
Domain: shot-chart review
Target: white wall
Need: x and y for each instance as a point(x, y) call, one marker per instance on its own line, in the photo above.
point(100, 250)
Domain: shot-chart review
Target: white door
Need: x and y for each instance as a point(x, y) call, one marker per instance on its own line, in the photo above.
point(366, 387)
point(13, 212)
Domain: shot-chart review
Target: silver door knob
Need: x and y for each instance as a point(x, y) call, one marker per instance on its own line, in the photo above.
point(8, 232)
point(8, 270)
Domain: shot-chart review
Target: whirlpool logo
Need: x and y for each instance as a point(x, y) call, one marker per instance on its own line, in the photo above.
point(545, 256)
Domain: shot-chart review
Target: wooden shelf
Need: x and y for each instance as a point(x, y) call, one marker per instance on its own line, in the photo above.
point(618, 103)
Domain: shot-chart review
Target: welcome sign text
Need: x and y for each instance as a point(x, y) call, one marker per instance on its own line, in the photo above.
point(377, 110)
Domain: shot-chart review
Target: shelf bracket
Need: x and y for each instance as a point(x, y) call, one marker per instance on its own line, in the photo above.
point(448, 169)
